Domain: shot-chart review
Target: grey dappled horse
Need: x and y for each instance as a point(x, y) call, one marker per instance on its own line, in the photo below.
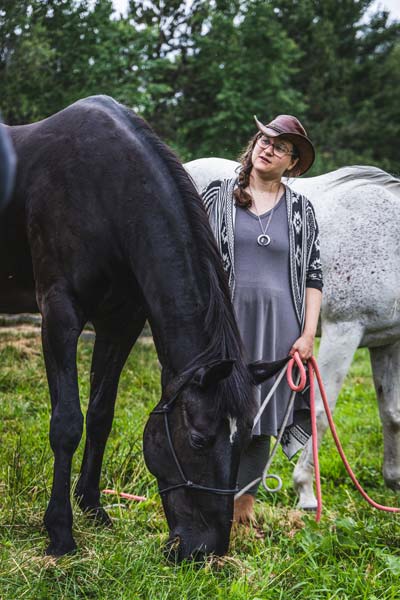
point(358, 211)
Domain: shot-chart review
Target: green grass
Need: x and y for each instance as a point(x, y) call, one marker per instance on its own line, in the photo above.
point(352, 554)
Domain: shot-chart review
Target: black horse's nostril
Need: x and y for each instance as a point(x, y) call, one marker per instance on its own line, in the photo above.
point(175, 551)
point(200, 554)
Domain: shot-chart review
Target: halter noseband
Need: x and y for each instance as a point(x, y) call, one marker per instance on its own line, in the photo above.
point(172, 392)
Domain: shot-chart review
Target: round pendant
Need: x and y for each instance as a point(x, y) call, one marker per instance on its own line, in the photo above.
point(263, 240)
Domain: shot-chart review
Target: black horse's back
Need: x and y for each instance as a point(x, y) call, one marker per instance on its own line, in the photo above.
point(87, 187)
point(76, 186)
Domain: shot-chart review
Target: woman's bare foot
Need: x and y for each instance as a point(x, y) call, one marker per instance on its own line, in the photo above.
point(243, 510)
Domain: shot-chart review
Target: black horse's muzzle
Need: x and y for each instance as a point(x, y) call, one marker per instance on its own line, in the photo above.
point(196, 548)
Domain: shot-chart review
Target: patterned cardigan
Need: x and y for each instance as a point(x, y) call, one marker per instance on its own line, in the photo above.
point(304, 242)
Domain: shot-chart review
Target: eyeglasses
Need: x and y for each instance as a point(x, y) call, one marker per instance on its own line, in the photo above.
point(278, 149)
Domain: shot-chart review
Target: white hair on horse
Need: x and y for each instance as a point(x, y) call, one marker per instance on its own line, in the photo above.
point(364, 172)
point(358, 212)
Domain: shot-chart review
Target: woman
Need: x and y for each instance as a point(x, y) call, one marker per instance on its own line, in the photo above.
point(269, 241)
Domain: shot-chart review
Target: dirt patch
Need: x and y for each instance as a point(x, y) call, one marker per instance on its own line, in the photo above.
point(19, 330)
point(24, 338)
point(19, 335)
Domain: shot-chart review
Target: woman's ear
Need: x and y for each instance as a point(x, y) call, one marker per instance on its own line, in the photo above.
point(292, 167)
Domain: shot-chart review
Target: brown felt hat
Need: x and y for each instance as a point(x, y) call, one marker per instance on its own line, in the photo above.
point(294, 131)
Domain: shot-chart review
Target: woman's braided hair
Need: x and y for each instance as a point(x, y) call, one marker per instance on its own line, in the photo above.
point(243, 198)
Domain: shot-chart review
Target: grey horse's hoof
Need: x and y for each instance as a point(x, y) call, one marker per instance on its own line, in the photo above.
point(308, 508)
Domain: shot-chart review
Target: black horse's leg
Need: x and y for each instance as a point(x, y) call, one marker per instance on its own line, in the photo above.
point(110, 352)
point(60, 331)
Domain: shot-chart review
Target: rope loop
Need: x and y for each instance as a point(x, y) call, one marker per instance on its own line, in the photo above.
point(303, 376)
point(276, 478)
point(313, 371)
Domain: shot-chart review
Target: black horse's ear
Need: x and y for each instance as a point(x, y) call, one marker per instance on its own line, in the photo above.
point(261, 371)
point(213, 372)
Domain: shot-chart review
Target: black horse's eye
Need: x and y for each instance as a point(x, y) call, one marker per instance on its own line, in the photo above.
point(197, 441)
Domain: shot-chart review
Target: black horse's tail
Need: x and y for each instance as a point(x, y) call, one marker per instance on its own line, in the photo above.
point(7, 167)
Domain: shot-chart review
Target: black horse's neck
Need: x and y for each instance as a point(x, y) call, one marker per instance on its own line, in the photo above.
point(176, 299)
point(185, 288)
point(174, 280)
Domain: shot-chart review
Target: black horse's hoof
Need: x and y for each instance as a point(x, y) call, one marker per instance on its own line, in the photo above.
point(90, 506)
point(99, 516)
point(57, 550)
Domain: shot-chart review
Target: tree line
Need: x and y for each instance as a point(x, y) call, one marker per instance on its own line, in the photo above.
point(199, 70)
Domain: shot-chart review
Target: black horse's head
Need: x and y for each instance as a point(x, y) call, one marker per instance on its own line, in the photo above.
point(192, 445)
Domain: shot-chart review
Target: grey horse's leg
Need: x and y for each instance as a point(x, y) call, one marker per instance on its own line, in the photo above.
point(61, 327)
point(114, 340)
point(386, 372)
point(339, 341)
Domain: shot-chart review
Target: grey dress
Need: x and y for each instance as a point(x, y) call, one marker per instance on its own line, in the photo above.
point(263, 302)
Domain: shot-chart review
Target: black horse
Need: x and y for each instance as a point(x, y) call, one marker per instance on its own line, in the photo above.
point(116, 234)
point(7, 167)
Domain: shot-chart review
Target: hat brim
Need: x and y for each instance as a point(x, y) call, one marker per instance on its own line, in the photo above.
point(304, 146)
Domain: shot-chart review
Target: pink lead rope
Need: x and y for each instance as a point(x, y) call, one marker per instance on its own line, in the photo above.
point(125, 495)
point(313, 367)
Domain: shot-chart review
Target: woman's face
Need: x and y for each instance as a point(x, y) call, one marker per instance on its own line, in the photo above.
point(271, 157)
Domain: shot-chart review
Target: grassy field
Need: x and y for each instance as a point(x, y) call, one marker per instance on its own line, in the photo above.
point(354, 553)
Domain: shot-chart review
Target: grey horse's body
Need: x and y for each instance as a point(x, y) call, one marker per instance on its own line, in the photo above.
point(359, 218)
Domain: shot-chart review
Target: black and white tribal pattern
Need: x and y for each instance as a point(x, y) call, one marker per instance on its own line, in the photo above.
point(304, 242)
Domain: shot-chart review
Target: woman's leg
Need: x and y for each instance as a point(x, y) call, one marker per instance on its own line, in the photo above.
point(252, 463)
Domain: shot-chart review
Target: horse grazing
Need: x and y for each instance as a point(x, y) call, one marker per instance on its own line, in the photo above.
point(7, 168)
point(359, 220)
point(116, 234)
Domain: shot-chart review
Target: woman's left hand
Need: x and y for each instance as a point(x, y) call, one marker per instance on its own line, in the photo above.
point(304, 346)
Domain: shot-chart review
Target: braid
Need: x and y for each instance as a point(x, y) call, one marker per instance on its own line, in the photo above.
point(242, 198)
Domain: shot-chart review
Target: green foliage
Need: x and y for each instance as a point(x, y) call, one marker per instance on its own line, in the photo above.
point(353, 554)
point(242, 67)
point(347, 67)
point(58, 51)
point(198, 71)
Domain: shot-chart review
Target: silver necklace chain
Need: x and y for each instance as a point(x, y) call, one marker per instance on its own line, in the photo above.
point(263, 239)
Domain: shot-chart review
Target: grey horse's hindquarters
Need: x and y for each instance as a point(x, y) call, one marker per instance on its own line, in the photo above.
point(357, 210)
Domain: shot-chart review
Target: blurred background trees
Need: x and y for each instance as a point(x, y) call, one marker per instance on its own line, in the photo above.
point(198, 70)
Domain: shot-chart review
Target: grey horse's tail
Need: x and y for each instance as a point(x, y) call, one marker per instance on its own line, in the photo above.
point(367, 174)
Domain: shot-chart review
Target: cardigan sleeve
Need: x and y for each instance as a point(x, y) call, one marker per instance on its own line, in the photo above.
point(314, 277)
point(210, 193)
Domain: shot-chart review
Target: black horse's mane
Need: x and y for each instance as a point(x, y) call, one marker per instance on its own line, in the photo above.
point(220, 323)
